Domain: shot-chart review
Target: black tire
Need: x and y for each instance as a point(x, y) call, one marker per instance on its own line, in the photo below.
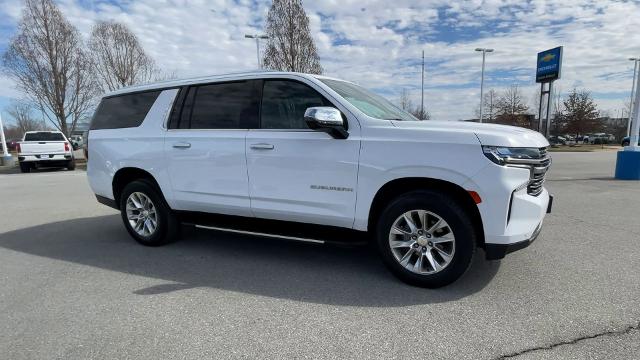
point(450, 211)
point(625, 143)
point(168, 227)
point(25, 167)
point(71, 164)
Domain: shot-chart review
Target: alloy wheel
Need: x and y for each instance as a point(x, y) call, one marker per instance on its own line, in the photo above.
point(141, 214)
point(422, 242)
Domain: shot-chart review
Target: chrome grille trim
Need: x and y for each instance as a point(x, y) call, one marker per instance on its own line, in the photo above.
point(538, 170)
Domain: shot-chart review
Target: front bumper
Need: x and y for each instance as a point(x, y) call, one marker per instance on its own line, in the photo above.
point(498, 251)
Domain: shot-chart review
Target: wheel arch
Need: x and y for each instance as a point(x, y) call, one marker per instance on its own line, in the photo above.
point(125, 175)
point(399, 186)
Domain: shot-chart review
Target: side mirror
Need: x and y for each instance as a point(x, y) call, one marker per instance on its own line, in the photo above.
point(327, 119)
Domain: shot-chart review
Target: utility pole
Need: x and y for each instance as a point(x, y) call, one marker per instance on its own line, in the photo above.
point(484, 52)
point(633, 89)
point(257, 37)
point(422, 96)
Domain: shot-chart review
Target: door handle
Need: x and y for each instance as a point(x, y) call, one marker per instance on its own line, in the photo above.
point(262, 146)
point(181, 145)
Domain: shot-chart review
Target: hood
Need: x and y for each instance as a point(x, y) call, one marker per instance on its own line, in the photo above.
point(488, 134)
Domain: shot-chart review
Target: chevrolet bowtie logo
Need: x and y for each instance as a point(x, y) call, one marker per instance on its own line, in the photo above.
point(548, 57)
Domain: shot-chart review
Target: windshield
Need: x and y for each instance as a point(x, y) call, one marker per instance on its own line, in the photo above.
point(43, 136)
point(369, 103)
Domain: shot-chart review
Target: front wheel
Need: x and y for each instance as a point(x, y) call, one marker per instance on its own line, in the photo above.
point(426, 238)
point(146, 215)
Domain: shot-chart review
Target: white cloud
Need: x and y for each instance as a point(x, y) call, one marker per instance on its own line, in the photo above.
point(378, 44)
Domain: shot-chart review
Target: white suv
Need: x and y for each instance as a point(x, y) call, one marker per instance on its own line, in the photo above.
point(312, 158)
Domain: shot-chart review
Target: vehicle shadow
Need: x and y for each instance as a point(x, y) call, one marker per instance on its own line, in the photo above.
point(261, 266)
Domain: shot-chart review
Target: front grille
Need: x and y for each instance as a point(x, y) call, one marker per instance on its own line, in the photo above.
point(538, 173)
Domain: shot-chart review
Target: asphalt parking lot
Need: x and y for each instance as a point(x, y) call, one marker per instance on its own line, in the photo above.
point(74, 285)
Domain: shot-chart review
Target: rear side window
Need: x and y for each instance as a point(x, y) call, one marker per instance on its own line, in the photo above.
point(284, 103)
point(222, 106)
point(123, 111)
point(43, 136)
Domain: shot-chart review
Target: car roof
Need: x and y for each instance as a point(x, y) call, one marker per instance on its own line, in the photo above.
point(211, 78)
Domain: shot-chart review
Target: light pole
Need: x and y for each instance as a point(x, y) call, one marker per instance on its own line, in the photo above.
point(422, 89)
point(5, 157)
point(257, 37)
point(484, 53)
point(633, 89)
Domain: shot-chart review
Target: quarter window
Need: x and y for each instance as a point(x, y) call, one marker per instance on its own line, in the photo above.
point(284, 103)
point(123, 111)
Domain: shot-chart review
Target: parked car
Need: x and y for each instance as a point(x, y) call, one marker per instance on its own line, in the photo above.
point(627, 140)
point(12, 144)
point(45, 149)
point(85, 135)
point(311, 158)
point(76, 141)
point(557, 140)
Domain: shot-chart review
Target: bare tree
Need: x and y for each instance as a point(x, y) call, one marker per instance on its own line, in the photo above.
point(290, 46)
point(580, 113)
point(511, 108)
point(22, 114)
point(12, 132)
point(48, 63)
point(421, 114)
point(405, 101)
point(489, 111)
point(118, 57)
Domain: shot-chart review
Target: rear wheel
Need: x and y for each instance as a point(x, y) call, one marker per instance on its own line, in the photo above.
point(426, 238)
point(146, 215)
point(25, 167)
point(71, 164)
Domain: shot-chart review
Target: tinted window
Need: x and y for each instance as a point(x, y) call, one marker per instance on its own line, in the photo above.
point(123, 111)
point(284, 103)
point(43, 136)
point(224, 106)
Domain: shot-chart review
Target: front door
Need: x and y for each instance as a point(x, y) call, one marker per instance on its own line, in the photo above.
point(205, 147)
point(295, 173)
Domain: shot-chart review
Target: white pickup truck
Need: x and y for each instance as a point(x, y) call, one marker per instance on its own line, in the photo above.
point(45, 149)
point(309, 158)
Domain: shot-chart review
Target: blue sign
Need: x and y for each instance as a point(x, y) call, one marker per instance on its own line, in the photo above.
point(549, 65)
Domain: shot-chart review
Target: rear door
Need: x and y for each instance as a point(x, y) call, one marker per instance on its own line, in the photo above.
point(296, 173)
point(205, 147)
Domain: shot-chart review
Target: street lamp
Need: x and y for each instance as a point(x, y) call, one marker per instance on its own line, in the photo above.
point(5, 157)
point(484, 52)
point(257, 37)
point(633, 89)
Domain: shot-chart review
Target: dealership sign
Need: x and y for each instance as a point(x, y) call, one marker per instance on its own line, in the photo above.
point(549, 65)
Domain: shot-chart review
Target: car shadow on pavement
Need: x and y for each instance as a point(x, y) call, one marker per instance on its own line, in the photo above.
point(254, 265)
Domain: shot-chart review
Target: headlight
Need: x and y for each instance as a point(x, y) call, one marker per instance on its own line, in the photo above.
point(505, 155)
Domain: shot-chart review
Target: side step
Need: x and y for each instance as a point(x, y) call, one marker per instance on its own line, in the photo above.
point(287, 230)
point(295, 238)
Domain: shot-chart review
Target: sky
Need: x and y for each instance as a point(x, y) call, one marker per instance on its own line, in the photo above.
point(378, 43)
